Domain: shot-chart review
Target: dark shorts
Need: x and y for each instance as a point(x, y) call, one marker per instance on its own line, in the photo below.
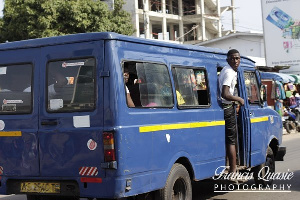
point(230, 125)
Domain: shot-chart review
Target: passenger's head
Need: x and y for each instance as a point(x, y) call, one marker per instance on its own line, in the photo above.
point(233, 59)
point(126, 74)
point(57, 76)
point(60, 80)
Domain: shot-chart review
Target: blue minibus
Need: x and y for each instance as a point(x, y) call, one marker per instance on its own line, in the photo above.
point(67, 129)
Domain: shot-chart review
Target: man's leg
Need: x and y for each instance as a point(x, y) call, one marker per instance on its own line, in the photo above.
point(230, 129)
point(231, 153)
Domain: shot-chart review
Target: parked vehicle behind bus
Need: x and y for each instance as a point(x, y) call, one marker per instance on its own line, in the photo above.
point(66, 129)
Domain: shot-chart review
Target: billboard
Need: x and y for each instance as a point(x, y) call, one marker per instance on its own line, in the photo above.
point(281, 21)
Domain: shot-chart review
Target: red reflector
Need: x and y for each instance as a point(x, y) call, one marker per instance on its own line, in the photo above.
point(109, 155)
point(108, 135)
point(109, 147)
point(91, 180)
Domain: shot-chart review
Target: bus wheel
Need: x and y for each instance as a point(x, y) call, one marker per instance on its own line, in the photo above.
point(264, 169)
point(178, 185)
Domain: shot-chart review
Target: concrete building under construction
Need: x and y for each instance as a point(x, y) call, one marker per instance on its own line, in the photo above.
point(182, 21)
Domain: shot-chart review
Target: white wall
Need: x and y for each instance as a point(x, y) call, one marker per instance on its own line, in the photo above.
point(247, 45)
point(130, 6)
point(292, 70)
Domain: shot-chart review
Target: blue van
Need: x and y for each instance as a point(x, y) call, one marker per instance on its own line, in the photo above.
point(66, 128)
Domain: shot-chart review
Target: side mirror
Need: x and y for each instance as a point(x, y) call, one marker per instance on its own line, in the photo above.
point(263, 93)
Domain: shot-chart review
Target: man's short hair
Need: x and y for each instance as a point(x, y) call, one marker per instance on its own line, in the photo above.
point(232, 51)
point(126, 70)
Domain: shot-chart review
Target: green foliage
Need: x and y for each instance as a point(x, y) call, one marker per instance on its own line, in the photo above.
point(27, 19)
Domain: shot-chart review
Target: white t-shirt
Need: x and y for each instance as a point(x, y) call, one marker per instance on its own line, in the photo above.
point(127, 91)
point(227, 77)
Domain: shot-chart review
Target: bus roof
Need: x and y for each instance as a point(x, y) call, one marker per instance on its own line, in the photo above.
point(85, 37)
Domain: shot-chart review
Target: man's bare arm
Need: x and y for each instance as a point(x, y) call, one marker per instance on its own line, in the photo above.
point(229, 97)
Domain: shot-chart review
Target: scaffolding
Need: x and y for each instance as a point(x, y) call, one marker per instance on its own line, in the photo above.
point(182, 21)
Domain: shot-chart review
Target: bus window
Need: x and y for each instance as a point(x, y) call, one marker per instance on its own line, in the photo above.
point(149, 84)
point(71, 85)
point(252, 87)
point(191, 87)
point(15, 89)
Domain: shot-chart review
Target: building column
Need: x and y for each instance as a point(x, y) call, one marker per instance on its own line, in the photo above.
point(180, 12)
point(219, 20)
point(171, 7)
point(198, 11)
point(137, 19)
point(150, 30)
point(172, 33)
point(164, 24)
point(202, 20)
point(146, 19)
point(233, 15)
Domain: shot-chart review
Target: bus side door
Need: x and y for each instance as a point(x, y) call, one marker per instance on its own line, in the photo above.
point(254, 113)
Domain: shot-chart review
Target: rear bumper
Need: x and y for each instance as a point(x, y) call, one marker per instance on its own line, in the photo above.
point(69, 186)
point(281, 151)
point(112, 188)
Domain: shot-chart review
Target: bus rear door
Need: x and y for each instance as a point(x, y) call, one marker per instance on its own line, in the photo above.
point(18, 114)
point(71, 110)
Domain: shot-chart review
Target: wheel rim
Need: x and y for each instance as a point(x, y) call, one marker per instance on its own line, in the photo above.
point(179, 190)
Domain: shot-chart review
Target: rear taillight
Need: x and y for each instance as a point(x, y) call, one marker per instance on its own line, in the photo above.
point(109, 146)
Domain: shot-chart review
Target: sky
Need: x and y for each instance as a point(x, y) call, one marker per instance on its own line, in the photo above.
point(248, 15)
point(1, 7)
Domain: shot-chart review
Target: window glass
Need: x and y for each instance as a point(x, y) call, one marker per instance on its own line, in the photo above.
point(15, 89)
point(71, 85)
point(191, 86)
point(148, 84)
point(252, 87)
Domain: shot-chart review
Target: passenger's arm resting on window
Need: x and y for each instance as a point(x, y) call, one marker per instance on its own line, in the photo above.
point(229, 97)
point(129, 100)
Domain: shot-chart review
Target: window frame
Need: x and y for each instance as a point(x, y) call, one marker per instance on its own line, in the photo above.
point(150, 62)
point(32, 88)
point(95, 85)
point(257, 91)
point(180, 107)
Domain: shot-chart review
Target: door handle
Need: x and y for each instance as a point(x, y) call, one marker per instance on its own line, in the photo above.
point(49, 123)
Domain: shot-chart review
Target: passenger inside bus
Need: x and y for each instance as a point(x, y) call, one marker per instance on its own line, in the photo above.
point(59, 81)
point(149, 84)
point(57, 87)
point(128, 97)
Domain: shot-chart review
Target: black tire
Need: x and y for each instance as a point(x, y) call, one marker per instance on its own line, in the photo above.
point(178, 185)
point(267, 167)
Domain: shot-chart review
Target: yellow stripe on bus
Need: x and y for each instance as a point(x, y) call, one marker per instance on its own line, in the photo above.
point(163, 127)
point(10, 133)
point(259, 119)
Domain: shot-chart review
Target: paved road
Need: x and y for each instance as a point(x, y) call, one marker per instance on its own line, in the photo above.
point(205, 189)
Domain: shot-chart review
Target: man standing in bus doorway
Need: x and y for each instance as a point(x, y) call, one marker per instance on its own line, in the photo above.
point(227, 83)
